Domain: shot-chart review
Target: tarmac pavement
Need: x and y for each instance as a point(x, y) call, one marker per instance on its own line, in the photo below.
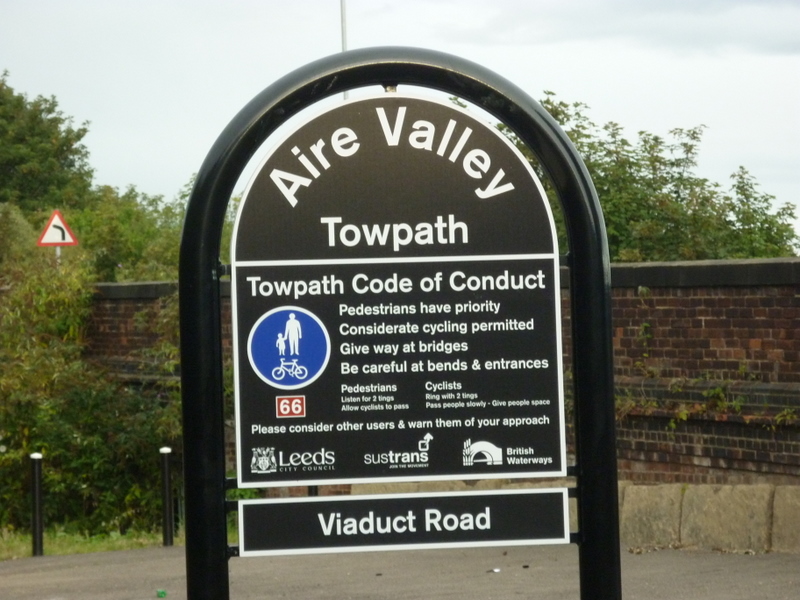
point(536, 572)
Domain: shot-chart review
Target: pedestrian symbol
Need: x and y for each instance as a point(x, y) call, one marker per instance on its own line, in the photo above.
point(289, 347)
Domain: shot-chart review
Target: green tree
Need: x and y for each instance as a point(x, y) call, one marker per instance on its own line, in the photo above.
point(99, 438)
point(43, 162)
point(119, 230)
point(17, 235)
point(136, 237)
point(759, 231)
point(656, 208)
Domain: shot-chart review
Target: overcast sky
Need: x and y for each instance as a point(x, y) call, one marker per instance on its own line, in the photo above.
point(158, 80)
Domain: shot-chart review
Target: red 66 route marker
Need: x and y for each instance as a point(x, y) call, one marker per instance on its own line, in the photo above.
point(290, 406)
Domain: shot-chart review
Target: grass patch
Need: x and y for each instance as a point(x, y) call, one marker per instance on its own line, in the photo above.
point(57, 541)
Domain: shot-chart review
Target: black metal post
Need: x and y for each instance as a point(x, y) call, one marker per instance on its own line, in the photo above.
point(200, 270)
point(37, 522)
point(167, 508)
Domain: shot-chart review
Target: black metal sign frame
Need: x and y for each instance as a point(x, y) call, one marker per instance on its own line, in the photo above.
point(207, 552)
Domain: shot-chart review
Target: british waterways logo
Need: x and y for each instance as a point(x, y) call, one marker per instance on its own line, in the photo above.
point(481, 453)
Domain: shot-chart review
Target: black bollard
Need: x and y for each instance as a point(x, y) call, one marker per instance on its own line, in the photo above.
point(37, 523)
point(168, 520)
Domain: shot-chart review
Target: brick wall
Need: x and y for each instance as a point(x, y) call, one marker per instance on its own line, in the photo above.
point(728, 327)
point(706, 361)
point(698, 450)
point(120, 324)
point(707, 370)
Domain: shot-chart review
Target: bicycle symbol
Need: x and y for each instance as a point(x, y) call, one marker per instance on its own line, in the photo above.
point(292, 368)
point(288, 347)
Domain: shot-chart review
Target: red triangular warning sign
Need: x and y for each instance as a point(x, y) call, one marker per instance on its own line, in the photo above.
point(57, 232)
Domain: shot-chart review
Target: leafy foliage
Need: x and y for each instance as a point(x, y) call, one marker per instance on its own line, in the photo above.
point(44, 165)
point(135, 237)
point(99, 437)
point(130, 235)
point(655, 206)
point(43, 162)
point(17, 234)
point(99, 440)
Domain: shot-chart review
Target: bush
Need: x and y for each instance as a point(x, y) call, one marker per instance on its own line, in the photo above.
point(99, 440)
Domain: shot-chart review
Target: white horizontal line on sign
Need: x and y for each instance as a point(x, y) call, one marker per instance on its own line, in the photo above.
point(340, 524)
point(386, 260)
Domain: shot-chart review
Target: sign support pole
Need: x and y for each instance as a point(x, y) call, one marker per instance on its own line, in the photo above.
point(200, 271)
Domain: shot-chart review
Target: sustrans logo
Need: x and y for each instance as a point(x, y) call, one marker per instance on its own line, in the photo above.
point(425, 443)
point(481, 453)
point(403, 460)
point(266, 460)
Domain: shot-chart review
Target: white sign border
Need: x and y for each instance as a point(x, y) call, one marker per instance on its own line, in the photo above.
point(285, 135)
point(243, 552)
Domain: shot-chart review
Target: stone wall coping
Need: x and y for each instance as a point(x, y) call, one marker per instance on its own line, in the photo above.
point(707, 273)
point(146, 290)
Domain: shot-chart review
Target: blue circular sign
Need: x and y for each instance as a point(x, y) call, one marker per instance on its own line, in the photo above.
point(289, 347)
